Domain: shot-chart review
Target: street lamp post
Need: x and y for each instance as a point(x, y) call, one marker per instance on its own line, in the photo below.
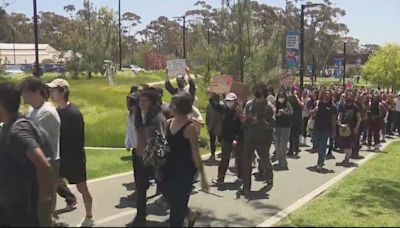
point(35, 32)
point(119, 35)
point(344, 65)
point(184, 35)
point(303, 7)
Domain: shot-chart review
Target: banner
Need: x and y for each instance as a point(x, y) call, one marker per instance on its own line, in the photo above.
point(292, 49)
point(241, 90)
point(176, 67)
point(221, 84)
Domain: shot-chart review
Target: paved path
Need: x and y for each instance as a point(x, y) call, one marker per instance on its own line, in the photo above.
point(220, 207)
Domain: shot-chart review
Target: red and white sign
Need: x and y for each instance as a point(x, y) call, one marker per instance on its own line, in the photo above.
point(221, 84)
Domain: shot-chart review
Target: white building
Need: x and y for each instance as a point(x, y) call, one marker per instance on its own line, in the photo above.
point(25, 53)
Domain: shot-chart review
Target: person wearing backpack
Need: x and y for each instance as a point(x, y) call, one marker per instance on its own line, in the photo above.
point(44, 114)
point(72, 144)
point(148, 121)
point(26, 186)
point(258, 122)
point(349, 124)
point(183, 161)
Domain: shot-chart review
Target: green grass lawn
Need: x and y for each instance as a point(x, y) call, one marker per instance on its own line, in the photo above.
point(368, 197)
point(101, 163)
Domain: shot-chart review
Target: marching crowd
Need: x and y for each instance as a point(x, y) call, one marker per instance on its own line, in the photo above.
point(44, 147)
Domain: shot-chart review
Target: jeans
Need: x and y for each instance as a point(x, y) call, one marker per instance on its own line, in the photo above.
point(321, 141)
point(142, 177)
point(178, 193)
point(305, 125)
point(373, 130)
point(294, 140)
point(262, 147)
point(281, 144)
point(213, 139)
point(227, 148)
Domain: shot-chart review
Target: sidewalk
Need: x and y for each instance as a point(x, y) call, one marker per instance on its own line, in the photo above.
point(220, 207)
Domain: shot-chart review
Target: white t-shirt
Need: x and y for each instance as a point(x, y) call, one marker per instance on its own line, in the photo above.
point(131, 134)
point(47, 117)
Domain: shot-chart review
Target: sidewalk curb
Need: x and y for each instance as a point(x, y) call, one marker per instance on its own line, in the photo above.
point(274, 220)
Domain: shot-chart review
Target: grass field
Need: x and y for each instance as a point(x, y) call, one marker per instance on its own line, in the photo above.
point(104, 107)
point(370, 197)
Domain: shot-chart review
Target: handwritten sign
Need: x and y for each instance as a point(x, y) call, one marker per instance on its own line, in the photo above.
point(176, 67)
point(241, 90)
point(221, 84)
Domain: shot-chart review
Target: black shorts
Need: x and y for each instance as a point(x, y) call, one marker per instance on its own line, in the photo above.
point(74, 172)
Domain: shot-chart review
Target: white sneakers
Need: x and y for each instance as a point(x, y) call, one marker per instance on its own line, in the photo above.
point(87, 222)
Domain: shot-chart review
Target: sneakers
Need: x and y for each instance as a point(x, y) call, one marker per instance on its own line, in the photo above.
point(330, 156)
point(318, 168)
point(162, 202)
point(87, 222)
point(218, 181)
point(70, 206)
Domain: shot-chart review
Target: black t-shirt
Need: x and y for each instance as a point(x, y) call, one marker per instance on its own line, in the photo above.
point(18, 183)
point(323, 118)
point(72, 135)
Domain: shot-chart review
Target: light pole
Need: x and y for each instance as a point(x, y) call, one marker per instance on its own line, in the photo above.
point(13, 37)
point(303, 7)
point(35, 32)
point(184, 35)
point(119, 35)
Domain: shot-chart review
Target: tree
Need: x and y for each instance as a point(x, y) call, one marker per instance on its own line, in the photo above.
point(383, 67)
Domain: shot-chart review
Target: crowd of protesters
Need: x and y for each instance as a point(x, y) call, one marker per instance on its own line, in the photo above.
point(44, 147)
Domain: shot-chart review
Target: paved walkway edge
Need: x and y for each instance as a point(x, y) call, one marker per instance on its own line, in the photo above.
point(272, 221)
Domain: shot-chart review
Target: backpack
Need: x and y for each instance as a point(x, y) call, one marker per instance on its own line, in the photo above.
point(155, 154)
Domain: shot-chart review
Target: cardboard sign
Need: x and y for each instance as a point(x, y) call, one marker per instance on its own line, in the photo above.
point(176, 67)
point(241, 90)
point(221, 84)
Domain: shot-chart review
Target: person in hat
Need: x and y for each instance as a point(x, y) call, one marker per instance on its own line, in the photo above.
point(213, 123)
point(72, 142)
point(231, 134)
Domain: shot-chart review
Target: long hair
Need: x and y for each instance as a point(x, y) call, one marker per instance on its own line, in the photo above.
point(154, 110)
point(279, 105)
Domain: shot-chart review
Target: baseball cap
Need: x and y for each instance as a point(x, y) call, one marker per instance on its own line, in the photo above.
point(231, 97)
point(58, 83)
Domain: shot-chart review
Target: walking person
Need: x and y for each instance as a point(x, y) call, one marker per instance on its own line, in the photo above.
point(148, 121)
point(297, 104)
point(26, 185)
point(376, 113)
point(231, 134)
point(396, 114)
point(283, 123)
point(325, 126)
point(213, 123)
point(72, 144)
point(43, 113)
point(306, 116)
point(110, 72)
point(182, 162)
point(258, 122)
point(349, 120)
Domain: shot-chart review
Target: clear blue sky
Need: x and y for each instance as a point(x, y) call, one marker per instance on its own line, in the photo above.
point(371, 21)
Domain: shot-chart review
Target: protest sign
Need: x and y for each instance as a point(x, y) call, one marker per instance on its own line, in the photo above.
point(221, 84)
point(241, 90)
point(176, 67)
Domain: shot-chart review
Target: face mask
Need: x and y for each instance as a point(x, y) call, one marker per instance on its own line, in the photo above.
point(230, 104)
point(281, 100)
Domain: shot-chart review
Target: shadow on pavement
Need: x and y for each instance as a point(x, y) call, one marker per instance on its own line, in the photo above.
point(211, 162)
point(228, 186)
point(130, 186)
point(152, 208)
point(295, 157)
point(208, 218)
point(323, 170)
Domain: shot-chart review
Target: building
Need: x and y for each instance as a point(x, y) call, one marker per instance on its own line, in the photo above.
point(25, 53)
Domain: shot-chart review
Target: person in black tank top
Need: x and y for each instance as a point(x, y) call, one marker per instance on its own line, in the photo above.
point(183, 161)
